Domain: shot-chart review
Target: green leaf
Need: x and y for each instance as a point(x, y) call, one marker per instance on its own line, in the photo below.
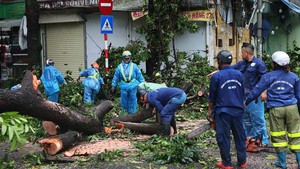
point(17, 120)
point(3, 129)
point(163, 167)
point(10, 133)
point(1, 119)
point(23, 119)
point(26, 128)
point(13, 145)
point(135, 162)
point(271, 157)
point(17, 134)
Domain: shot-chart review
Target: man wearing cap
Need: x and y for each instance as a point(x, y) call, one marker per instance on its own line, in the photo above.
point(51, 78)
point(128, 76)
point(92, 82)
point(226, 110)
point(253, 69)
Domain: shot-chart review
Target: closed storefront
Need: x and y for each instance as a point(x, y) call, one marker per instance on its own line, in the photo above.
point(65, 45)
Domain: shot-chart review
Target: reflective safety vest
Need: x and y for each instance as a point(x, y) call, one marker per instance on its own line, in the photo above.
point(130, 73)
point(95, 75)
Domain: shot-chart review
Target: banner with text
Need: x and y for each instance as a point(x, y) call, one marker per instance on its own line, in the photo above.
point(200, 15)
point(197, 15)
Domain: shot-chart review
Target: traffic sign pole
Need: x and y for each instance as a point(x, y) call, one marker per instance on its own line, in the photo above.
point(105, 7)
point(106, 52)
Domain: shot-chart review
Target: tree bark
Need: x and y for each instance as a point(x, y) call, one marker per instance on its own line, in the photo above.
point(202, 128)
point(144, 128)
point(138, 117)
point(58, 143)
point(32, 14)
point(28, 101)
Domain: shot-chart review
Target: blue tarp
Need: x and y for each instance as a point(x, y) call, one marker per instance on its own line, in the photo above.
point(292, 5)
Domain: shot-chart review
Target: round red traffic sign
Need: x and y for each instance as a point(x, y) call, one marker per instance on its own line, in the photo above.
point(105, 6)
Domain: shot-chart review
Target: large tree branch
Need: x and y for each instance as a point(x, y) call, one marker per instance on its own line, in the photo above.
point(28, 101)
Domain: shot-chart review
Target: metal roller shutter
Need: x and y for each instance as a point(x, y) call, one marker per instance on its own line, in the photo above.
point(65, 45)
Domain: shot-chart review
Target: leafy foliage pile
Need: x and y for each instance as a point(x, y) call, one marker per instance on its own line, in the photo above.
point(176, 149)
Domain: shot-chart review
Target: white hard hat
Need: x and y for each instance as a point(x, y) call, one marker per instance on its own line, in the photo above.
point(49, 62)
point(126, 54)
point(281, 58)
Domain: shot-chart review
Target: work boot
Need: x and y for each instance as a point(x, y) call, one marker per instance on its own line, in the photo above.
point(220, 165)
point(166, 129)
point(244, 165)
point(173, 124)
point(298, 159)
point(281, 163)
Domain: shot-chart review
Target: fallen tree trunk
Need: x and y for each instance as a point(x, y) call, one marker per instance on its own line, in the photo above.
point(28, 101)
point(55, 144)
point(202, 128)
point(143, 128)
point(138, 117)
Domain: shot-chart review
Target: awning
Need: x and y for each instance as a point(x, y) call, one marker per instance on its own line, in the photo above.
point(293, 5)
point(10, 22)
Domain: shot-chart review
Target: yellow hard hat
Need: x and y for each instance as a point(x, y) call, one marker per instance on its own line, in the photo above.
point(157, 74)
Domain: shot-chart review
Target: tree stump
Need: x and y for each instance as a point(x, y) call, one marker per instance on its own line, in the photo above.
point(58, 143)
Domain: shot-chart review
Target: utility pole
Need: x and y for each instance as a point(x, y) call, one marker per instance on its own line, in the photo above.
point(259, 29)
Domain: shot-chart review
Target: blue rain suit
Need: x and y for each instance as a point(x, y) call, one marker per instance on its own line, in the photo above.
point(51, 78)
point(166, 101)
point(283, 90)
point(128, 76)
point(254, 120)
point(91, 83)
point(226, 93)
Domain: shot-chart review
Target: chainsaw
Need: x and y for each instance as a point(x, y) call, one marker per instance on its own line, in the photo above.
point(254, 145)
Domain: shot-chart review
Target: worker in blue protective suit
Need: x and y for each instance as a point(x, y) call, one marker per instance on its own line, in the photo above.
point(128, 76)
point(51, 78)
point(283, 100)
point(92, 82)
point(166, 101)
point(253, 69)
point(226, 110)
